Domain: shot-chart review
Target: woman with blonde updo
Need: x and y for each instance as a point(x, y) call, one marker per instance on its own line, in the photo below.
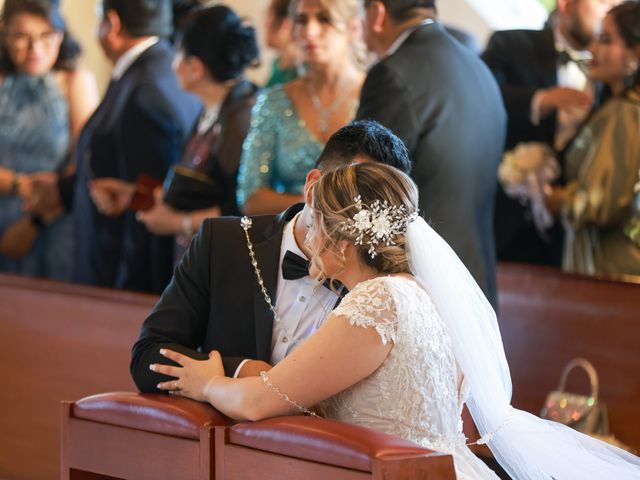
point(327, 235)
point(291, 123)
point(418, 336)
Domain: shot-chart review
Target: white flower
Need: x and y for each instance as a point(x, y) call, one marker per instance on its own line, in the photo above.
point(381, 225)
point(361, 220)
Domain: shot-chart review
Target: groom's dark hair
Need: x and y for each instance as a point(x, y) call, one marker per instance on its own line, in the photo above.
point(364, 138)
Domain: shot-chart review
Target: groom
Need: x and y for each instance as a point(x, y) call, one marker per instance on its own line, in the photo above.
point(215, 302)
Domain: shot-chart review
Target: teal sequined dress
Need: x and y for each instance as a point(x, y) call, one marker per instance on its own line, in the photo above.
point(34, 137)
point(279, 150)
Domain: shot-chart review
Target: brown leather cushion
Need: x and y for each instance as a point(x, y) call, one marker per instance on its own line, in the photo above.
point(150, 412)
point(323, 441)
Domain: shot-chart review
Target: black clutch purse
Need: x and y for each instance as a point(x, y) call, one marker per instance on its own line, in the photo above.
point(191, 190)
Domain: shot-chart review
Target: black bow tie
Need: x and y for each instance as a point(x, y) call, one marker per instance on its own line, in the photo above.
point(294, 266)
point(565, 57)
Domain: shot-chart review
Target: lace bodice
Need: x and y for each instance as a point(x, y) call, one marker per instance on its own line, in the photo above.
point(414, 394)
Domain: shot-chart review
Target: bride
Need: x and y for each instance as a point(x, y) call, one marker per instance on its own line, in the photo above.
point(412, 341)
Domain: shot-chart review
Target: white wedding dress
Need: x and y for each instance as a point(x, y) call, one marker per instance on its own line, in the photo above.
point(414, 394)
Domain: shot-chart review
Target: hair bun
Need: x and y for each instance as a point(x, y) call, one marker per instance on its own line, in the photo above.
point(242, 48)
point(220, 38)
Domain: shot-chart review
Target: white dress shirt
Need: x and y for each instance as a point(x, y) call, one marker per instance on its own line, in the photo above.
point(302, 305)
point(127, 58)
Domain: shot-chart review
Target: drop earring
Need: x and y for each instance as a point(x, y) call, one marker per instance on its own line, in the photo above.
point(631, 73)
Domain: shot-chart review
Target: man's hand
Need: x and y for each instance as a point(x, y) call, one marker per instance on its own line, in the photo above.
point(563, 98)
point(192, 377)
point(252, 368)
point(111, 196)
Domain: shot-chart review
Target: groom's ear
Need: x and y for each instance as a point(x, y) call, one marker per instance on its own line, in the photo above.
point(312, 177)
point(379, 16)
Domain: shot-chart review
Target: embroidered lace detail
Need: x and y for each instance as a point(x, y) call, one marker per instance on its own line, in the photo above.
point(414, 393)
point(371, 305)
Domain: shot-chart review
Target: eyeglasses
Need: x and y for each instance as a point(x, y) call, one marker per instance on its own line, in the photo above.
point(24, 41)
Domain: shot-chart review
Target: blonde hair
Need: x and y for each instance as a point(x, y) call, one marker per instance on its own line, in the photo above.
point(341, 14)
point(333, 204)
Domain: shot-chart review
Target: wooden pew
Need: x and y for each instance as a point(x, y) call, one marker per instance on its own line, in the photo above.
point(137, 436)
point(59, 341)
point(547, 318)
point(150, 436)
point(65, 342)
point(305, 448)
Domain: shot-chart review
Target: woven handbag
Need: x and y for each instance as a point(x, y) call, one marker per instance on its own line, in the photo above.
point(584, 413)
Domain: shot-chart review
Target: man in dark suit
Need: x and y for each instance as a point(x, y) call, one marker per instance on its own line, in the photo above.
point(443, 102)
point(215, 302)
point(138, 129)
point(543, 80)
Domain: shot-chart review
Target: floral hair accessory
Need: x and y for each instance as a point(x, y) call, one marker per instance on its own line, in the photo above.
point(378, 223)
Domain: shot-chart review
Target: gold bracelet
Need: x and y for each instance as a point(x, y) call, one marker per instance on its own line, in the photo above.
point(284, 396)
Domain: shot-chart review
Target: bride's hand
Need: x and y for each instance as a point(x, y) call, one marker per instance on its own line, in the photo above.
point(192, 376)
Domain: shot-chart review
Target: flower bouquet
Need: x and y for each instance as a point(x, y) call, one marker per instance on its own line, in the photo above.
point(526, 173)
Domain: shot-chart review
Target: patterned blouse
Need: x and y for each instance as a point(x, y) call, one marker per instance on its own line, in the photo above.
point(279, 150)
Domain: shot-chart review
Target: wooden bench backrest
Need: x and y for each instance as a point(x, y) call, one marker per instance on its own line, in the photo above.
point(547, 318)
point(59, 342)
point(66, 341)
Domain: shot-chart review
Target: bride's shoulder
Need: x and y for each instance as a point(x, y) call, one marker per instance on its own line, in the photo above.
point(387, 283)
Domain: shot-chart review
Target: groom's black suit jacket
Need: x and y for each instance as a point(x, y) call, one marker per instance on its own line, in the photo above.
point(214, 301)
point(443, 102)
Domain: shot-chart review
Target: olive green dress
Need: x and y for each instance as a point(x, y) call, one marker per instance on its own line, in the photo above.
point(601, 168)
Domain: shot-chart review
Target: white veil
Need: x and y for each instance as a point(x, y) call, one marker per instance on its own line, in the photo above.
point(526, 446)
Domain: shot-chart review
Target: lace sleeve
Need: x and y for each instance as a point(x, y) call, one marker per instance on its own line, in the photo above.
point(258, 150)
point(371, 305)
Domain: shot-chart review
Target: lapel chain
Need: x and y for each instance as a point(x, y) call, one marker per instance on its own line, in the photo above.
point(246, 224)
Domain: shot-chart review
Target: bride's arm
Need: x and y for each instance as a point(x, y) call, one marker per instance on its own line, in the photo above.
point(336, 357)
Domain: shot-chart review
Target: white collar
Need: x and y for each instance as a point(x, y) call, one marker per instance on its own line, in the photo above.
point(563, 45)
point(289, 239)
point(127, 58)
point(405, 34)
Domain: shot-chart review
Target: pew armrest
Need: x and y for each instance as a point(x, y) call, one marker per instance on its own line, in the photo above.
point(334, 444)
point(149, 412)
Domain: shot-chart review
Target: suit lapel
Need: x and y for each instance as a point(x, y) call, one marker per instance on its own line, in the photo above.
point(548, 59)
point(267, 250)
